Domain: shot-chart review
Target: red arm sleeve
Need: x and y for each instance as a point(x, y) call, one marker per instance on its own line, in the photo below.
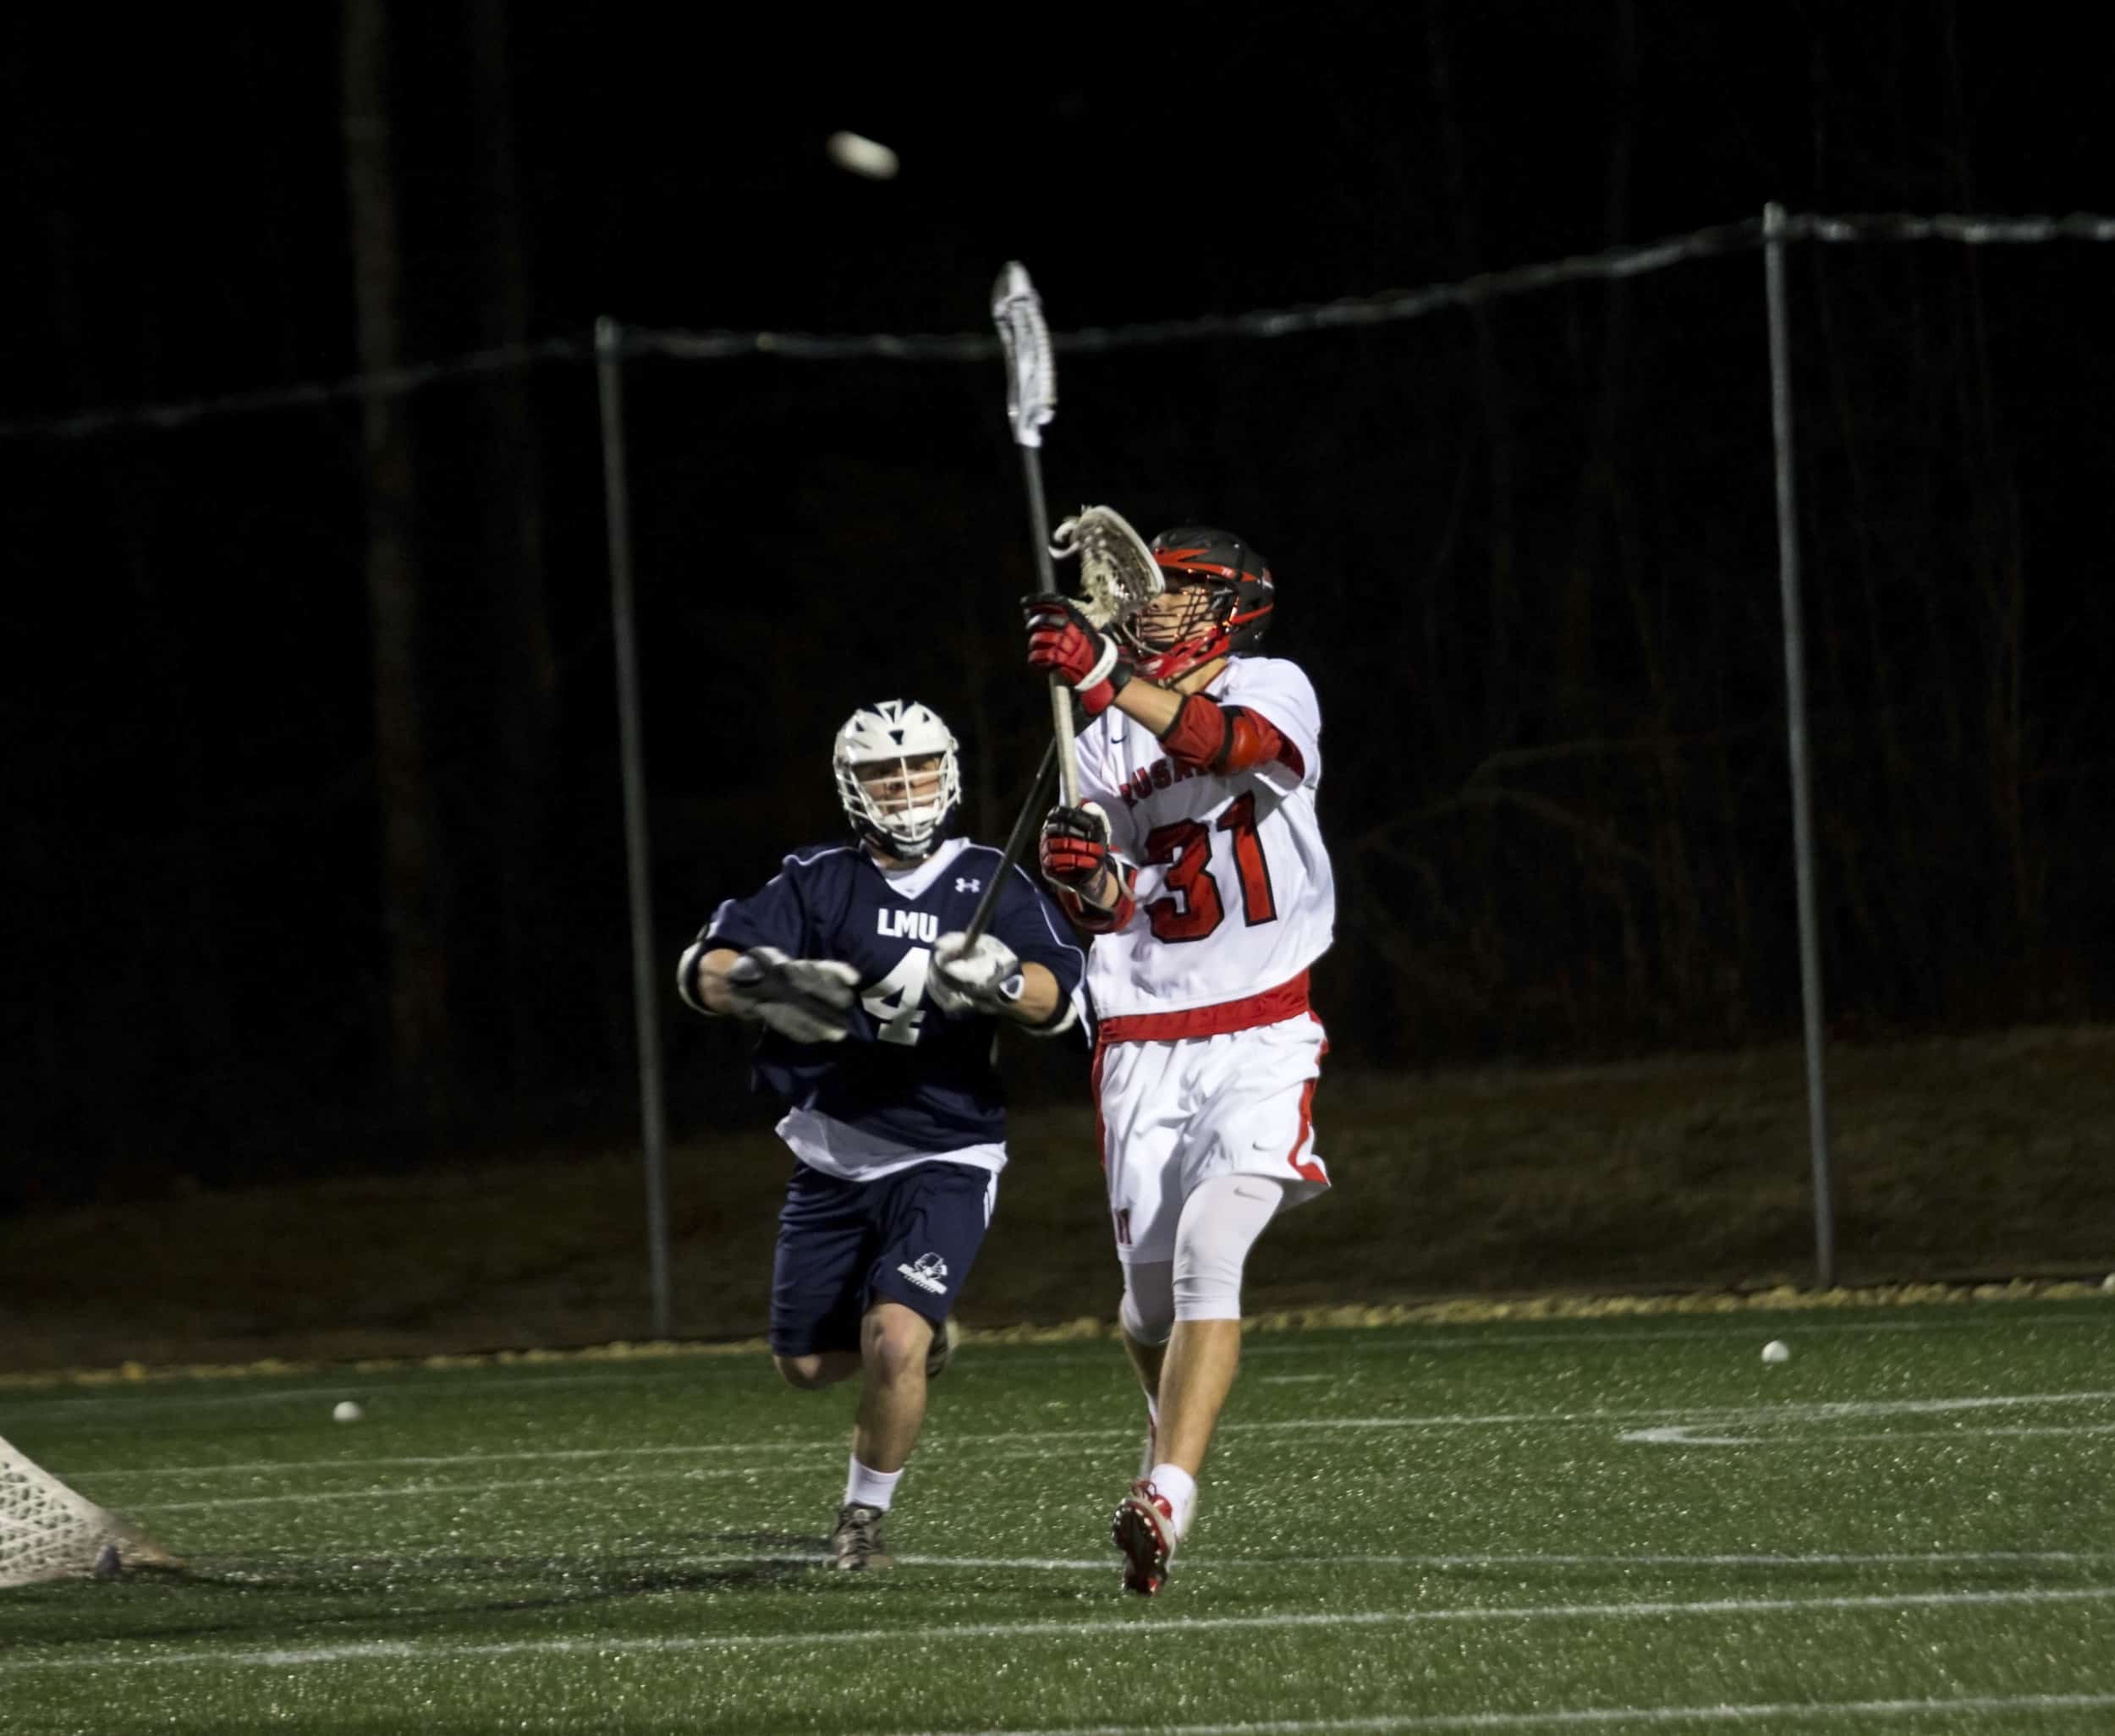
point(1226, 739)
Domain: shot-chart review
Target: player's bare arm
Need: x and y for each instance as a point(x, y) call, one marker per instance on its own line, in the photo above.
point(1039, 998)
point(986, 976)
point(709, 979)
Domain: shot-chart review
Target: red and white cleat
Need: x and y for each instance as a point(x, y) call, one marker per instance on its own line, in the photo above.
point(1144, 1533)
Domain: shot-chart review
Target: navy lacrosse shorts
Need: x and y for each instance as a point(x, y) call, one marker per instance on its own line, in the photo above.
point(844, 1245)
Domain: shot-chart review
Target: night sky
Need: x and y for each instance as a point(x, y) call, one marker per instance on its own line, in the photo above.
point(1527, 552)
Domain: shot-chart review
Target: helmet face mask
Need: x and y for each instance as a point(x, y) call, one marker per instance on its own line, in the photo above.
point(1191, 611)
point(904, 787)
point(899, 778)
point(1218, 601)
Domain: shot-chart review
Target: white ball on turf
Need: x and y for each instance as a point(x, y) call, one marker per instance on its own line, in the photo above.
point(346, 1411)
point(1776, 1350)
point(862, 156)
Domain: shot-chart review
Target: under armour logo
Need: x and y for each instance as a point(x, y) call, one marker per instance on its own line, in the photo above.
point(961, 885)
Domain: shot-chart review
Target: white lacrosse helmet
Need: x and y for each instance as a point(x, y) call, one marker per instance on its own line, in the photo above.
point(898, 806)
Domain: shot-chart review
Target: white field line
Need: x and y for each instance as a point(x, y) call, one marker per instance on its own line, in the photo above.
point(766, 1461)
point(762, 1451)
point(1250, 1563)
point(1622, 1718)
point(413, 1491)
point(1692, 1435)
point(498, 1381)
point(1040, 1441)
point(495, 1384)
point(1895, 1407)
point(1792, 1323)
point(1037, 1441)
point(1132, 1628)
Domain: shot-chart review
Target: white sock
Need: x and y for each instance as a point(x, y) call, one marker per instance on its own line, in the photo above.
point(1181, 1490)
point(871, 1488)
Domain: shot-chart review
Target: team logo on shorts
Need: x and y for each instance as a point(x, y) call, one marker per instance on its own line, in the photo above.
point(926, 1272)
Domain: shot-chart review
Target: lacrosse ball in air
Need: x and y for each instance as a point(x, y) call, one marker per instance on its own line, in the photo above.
point(862, 157)
point(346, 1411)
point(1776, 1350)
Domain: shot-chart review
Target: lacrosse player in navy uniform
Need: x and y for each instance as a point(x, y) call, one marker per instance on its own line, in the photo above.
point(879, 1022)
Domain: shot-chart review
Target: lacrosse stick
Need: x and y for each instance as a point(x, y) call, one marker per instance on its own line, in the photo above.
point(1025, 824)
point(1031, 401)
point(1116, 570)
point(1119, 576)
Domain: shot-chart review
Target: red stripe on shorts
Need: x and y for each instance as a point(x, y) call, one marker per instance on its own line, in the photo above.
point(1309, 1170)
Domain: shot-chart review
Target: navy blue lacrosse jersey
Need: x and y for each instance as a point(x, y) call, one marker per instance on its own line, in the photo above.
point(906, 1072)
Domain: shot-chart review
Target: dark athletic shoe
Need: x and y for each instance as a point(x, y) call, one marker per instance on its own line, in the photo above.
point(856, 1544)
point(1144, 1533)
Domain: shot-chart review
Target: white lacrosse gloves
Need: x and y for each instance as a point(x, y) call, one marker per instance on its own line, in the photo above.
point(805, 999)
point(985, 977)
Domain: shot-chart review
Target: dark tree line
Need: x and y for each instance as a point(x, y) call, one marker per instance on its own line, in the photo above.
point(313, 771)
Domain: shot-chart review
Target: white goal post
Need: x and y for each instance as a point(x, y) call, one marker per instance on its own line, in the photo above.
point(48, 1531)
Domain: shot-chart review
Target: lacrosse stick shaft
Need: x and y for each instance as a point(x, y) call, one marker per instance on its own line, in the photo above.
point(1046, 584)
point(1025, 824)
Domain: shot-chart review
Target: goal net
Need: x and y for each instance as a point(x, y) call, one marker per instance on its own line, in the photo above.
point(48, 1531)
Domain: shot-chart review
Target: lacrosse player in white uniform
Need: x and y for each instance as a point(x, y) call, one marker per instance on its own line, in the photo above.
point(1196, 862)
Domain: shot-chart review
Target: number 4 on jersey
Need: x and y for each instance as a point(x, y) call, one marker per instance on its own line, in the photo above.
point(898, 1000)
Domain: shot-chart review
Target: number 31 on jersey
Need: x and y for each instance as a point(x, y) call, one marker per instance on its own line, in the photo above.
point(1194, 908)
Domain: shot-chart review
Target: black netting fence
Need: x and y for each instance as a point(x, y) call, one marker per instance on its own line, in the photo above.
point(1524, 533)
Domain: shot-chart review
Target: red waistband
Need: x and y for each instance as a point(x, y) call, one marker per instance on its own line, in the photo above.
point(1288, 1000)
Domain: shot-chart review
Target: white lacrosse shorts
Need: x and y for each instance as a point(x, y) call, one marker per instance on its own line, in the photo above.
point(1170, 1115)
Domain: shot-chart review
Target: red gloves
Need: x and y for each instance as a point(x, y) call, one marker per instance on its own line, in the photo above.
point(1074, 848)
point(1064, 642)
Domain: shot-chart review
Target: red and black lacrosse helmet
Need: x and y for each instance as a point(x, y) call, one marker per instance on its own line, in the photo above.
point(1220, 596)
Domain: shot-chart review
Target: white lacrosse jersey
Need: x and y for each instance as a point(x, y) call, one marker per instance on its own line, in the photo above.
point(1234, 891)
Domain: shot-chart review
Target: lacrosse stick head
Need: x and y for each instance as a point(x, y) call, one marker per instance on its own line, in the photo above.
point(1118, 573)
point(1216, 599)
point(900, 777)
point(1031, 368)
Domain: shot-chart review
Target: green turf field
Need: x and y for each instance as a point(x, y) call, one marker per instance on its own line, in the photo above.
point(1601, 1526)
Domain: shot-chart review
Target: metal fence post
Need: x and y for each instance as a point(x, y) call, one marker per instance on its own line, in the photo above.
point(1774, 230)
point(646, 972)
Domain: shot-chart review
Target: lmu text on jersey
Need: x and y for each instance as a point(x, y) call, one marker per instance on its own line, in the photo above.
point(910, 925)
